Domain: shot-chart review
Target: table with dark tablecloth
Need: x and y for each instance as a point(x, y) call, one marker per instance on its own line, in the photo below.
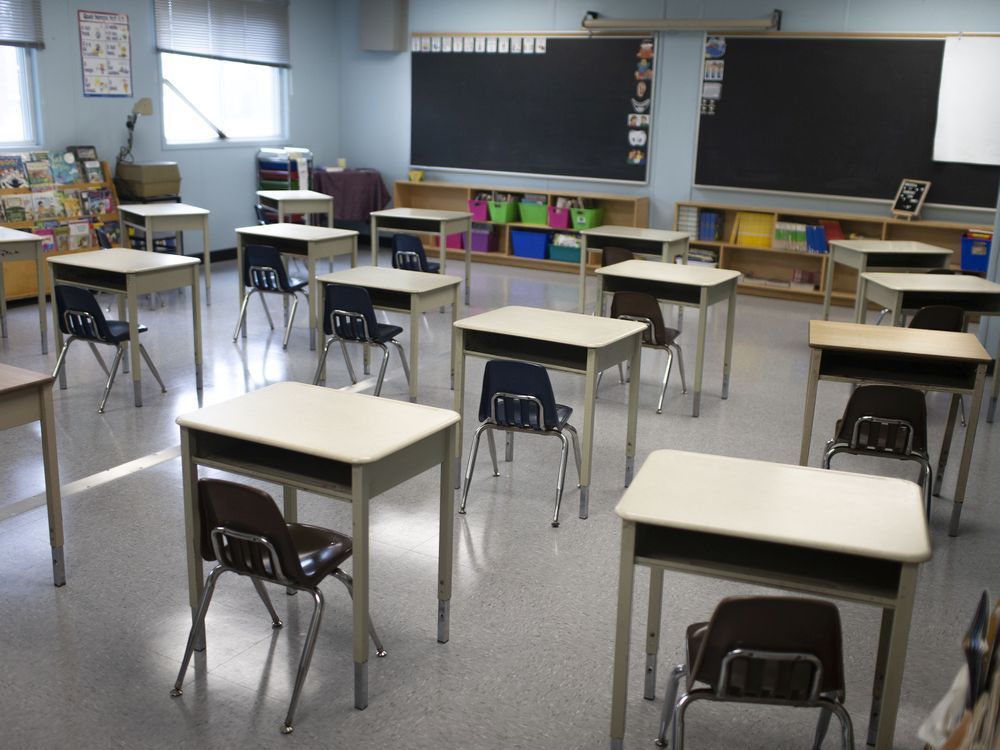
point(356, 192)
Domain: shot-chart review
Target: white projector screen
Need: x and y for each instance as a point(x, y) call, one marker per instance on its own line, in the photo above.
point(968, 120)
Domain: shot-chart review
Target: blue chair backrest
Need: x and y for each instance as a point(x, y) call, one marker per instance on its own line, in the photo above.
point(408, 243)
point(264, 257)
point(521, 378)
point(79, 314)
point(349, 299)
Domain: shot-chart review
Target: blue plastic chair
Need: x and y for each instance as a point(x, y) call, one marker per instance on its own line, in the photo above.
point(408, 253)
point(517, 397)
point(348, 315)
point(264, 272)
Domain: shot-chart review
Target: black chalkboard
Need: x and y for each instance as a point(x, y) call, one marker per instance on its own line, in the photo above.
point(849, 117)
point(561, 113)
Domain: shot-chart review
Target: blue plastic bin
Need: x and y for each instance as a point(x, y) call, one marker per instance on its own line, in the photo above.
point(529, 244)
point(975, 254)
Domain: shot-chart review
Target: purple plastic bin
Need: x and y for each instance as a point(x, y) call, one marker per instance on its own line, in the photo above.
point(455, 241)
point(558, 217)
point(483, 241)
point(480, 210)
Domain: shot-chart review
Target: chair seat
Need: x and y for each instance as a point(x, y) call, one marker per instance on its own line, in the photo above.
point(295, 284)
point(385, 332)
point(320, 550)
point(669, 337)
point(119, 330)
point(433, 267)
point(563, 413)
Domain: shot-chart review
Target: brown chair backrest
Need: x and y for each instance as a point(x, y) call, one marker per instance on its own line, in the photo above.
point(612, 255)
point(641, 305)
point(892, 402)
point(778, 624)
point(939, 318)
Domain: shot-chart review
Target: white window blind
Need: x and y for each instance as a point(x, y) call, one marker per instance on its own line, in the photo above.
point(21, 23)
point(249, 31)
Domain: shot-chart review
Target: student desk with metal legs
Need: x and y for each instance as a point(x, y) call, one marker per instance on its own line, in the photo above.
point(694, 286)
point(311, 243)
point(557, 340)
point(17, 245)
point(347, 446)
point(853, 537)
point(666, 244)
point(170, 217)
point(127, 274)
point(289, 202)
point(911, 291)
point(930, 360)
point(26, 397)
point(398, 290)
point(426, 221)
point(878, 255)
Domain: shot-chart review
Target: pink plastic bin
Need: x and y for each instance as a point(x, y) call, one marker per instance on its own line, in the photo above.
point(558, 217)
point(455, 241)
point(480, 210)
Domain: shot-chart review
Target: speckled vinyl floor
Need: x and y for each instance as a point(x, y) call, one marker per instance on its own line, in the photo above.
point(90, 665)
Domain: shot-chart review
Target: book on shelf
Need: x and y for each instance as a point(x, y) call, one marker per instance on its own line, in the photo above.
point(816, 239)
point(64, 172)
point(92, 171)
point(709, 226)
point(112, 229)
point(13, 174)
point(39, 172)
point(46, 204)
point(80, 234)
point(96, 202)
point(832, 228)
point(687, 220)
point(753, 229)
point(18, 208)
point(70, 201)
point(48, 238)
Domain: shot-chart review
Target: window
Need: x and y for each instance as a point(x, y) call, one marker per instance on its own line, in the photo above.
point(223, 66)
point(20, 33)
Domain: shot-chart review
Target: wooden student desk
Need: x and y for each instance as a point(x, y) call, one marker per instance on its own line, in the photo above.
point(878, 255)
point(17, 245)
point(26, 397)
point(426, 221)
point(853, 537)
point(695, 286)
point(911, 291)
point(557, 340)
point(342, 445)
point(311, 243)
point(130, 273)
point(398, 290)
point(169, 217)
point(664, 243)
point(289, 202)
point(931, 360)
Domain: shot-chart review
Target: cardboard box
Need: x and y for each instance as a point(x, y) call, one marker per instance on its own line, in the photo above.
point(148, 179)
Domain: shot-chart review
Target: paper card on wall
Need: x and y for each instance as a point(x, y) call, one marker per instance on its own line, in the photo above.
point(491, 44)
point(480, 44)
point(435, 44)
point(425, 44)
point(503, 45)
point(415, 44)
point(515, 45)
point(529, 45)
point(446, 44)
point(456, 44)
point(715, 47)
point(468, 44)
point(711, 90)
point(714, 69)
point(540, 45)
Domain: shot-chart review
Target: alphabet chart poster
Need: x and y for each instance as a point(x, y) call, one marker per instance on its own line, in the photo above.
point(106, 53)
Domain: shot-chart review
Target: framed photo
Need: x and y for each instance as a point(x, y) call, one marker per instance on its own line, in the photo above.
point(910, 198)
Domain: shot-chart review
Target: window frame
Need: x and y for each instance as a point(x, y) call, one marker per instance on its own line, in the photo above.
point(31, 115)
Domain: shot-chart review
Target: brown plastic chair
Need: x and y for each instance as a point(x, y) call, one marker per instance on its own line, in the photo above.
point(243, 530)
point(942, 318)
point(886, 421)
point(767, 650)
point(644, 308)
point(609, 256)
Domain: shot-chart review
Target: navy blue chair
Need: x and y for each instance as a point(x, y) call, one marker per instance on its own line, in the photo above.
point(242, 529)
point(517, 397)
point(264, 273)
point(348, 315)
point(81, 319)
point(408, 253)
point(942, 318)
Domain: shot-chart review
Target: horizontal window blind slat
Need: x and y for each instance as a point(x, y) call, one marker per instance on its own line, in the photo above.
point(253, 31)
point(21, 23)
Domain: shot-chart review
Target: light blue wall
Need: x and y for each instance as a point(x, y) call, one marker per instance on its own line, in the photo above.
point(218, 177)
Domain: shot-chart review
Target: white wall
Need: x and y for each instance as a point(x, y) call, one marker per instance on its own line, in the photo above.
point(219, 177)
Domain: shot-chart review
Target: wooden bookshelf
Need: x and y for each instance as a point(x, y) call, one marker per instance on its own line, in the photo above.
point(621, 210)
point(769, 271)
point(19, 275)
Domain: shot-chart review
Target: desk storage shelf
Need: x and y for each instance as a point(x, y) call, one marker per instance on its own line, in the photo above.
point(76, 204)
point(798, 275)
point(621, 210)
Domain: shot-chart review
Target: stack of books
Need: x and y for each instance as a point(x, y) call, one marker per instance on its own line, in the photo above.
point(687, 220)
point(752, 229)
point(709, 226)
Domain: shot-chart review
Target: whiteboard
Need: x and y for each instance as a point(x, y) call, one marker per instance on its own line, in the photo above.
point(968, 119)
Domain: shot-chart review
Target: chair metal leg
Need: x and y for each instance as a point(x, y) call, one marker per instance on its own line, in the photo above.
point(576, 449)
point(493, 452)
point(196, 626)
point(348, 582)
point(846, 727)
point(829, 453)
point(241, 321)
point(961, 409)
point(680, 709)
point(262, 593)
point(402, 359)
point(508, 453)
point(152, 368)
point(597, 387)
point(666, 379)
point(291, 321)
point(881, 315)
point(347, 360)
point(621, 374)
point(263, 303)
point(307, 652)
point(61, 359)
point(119, 352)
point(680, 366)
point(561, 479)
point(381, 369)
point(821, 726)
point(676, 675)
point(322, 361)
point(99, 358)
point(472, 465)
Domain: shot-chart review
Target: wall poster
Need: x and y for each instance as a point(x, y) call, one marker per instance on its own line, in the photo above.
point(106, 53)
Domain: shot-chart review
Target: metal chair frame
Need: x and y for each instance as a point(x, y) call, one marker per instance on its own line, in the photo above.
point(668, 348)
point(265, 281)
point(408, 260)
point(518, 401)
point(351, 318)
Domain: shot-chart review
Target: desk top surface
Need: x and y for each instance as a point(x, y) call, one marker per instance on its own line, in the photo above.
point(636, 233)
point(304, 232)
point(575, 329)
point(669, 273)
point(123, 260)
point(16, 379)
point(837, 511)
point(16, 235)
point(890, 246)
point(932, 282)
point(294, 195)
point(351, 428)
point(914, 342)
point(426, 214)
point(163, 209)
point(390, 279)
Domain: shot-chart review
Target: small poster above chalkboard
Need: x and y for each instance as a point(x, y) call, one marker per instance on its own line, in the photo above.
point(910, 198)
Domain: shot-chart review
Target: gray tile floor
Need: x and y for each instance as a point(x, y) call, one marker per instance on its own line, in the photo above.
point(529, 661)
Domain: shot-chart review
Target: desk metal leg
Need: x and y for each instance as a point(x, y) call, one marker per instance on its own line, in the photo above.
point(454, 319)
point(860, 301)
point(359, 513)
point(468, 263)
point(446, 533)
point(727, 363)
point(133, 342)
point(53, 495)
point(239, 280)
point(57, 331)
point(3, 304)
point(40, 280)
point(653, 615)
point(828, 285)
point(633, 409)
point(458, 365)
point(196, 327)
point(374, 241)
point(995, 391)
point(207, 261)
point(809, 412)
point(699, 362)
point(582, 296)
point(192, 533)
point(623, 632)
point(414, 350)
point(949, 431)
point(970, 438)
point(313, 298)
point(587, 435)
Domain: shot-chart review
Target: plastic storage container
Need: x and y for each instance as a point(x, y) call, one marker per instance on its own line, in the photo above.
point(558, 217)
point(975, 254)
point(529, 244)
point(480, 210)
point(503, 212)
point(483, 240)
point(534, 213)
point(455, 241)
point(564, 253)
point(585, 218)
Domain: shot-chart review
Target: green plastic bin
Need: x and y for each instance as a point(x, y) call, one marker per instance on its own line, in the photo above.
point(585, 218)
point(503, 212)
point(535, 213)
